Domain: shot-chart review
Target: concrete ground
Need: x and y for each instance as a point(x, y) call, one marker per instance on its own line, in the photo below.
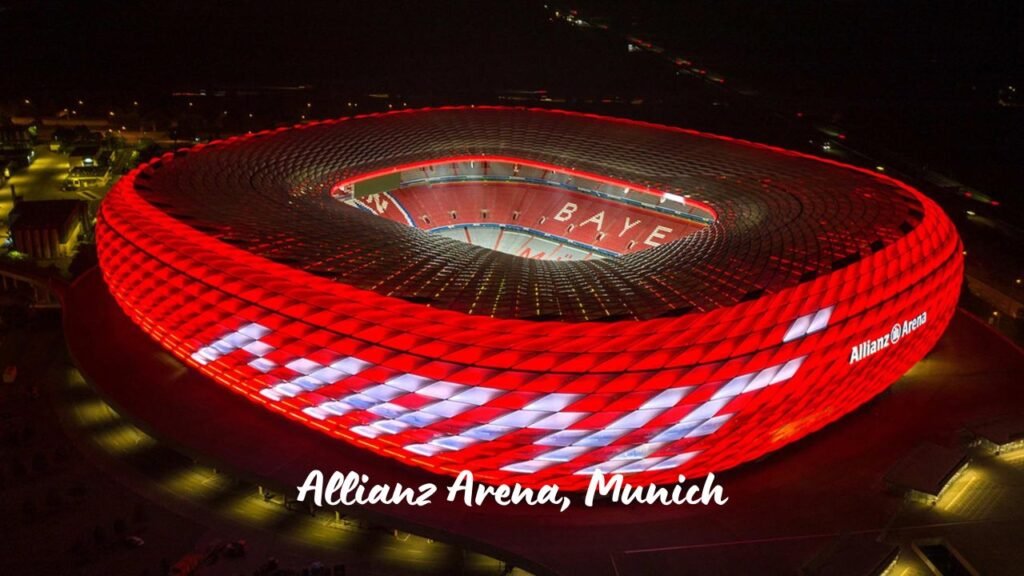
point(78, 480)
point(784, 509)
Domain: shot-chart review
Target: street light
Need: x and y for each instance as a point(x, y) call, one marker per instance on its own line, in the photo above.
point(994, 321)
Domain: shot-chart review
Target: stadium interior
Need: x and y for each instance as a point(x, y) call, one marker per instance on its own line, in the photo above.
point(527, 210)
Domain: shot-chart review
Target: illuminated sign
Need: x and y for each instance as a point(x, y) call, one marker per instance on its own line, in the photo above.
point(895, 334)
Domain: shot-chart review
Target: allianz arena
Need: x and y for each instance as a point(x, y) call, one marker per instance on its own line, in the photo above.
point(529, 294)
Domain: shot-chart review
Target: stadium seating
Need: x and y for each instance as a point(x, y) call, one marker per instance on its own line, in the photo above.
point(583, 219)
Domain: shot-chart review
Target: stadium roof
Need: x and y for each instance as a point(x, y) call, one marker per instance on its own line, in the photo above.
point(783, 218)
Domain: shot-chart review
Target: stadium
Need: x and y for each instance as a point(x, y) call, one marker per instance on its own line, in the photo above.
point(529, 294)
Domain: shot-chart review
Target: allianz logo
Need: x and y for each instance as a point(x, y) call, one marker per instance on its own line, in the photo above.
point(898, 332)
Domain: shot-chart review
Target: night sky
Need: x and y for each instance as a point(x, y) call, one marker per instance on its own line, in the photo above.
point(918, 77)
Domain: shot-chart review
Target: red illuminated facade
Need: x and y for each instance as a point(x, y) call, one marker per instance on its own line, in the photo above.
point(803, 289)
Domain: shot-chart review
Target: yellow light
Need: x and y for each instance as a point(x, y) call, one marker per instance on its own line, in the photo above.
point(124, 439)
point(958, 494)
point(1014, 456)
point(254, 509)
point(94, 412)
point(482, 562)
point(328, 535)
point(196, 481)
point(74, 378)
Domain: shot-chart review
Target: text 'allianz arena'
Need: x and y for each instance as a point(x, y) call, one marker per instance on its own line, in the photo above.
point(533, 295)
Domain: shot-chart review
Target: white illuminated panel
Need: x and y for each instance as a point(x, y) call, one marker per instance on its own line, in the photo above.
point(545, 414)
point(808, 324)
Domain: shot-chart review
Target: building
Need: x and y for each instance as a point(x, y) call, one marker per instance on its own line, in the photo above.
point(16, 148)
point(723, 298)
point(47, 230)
point(16, 137)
